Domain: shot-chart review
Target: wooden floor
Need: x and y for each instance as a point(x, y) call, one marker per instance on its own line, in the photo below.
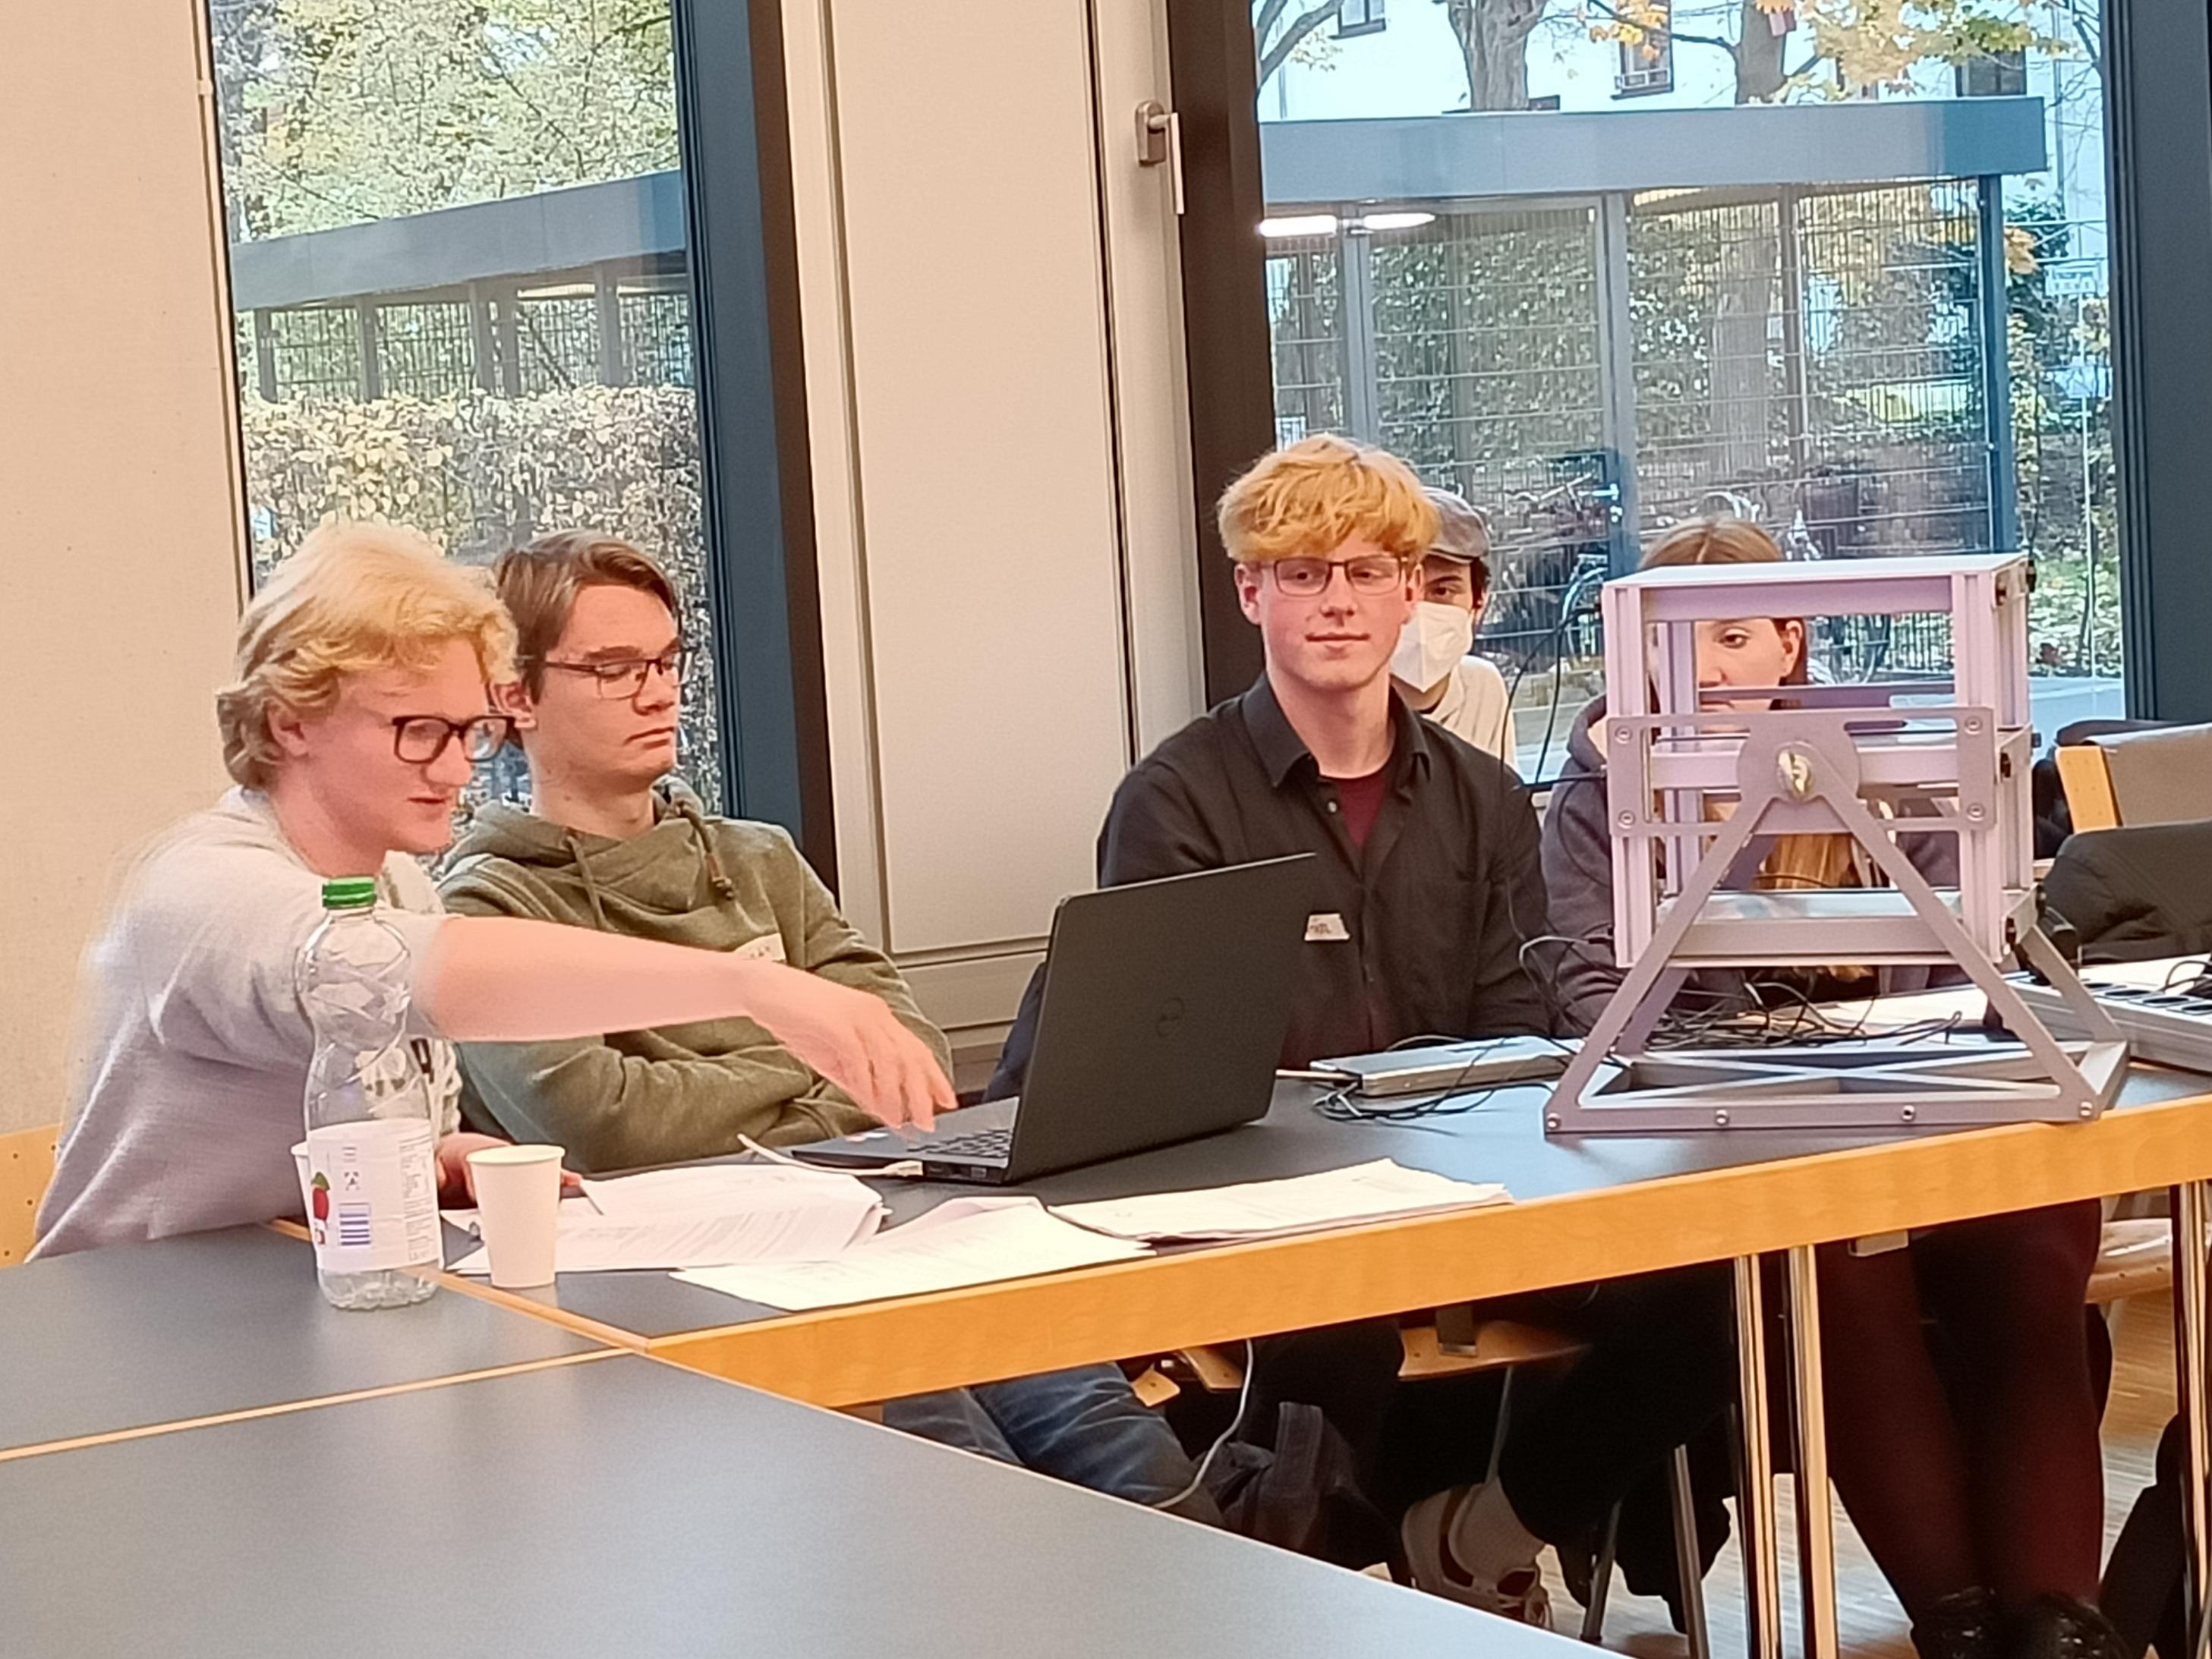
point(1873, 1624)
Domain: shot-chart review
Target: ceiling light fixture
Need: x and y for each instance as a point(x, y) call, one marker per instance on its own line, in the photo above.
point(1299, 224)
point(1409, 220)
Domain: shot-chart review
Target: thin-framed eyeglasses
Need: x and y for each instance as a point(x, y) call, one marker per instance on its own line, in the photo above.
point(1370, 573)
point(625, 677)
point(421, 739)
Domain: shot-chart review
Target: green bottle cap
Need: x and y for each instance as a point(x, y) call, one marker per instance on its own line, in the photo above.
point(349, 893)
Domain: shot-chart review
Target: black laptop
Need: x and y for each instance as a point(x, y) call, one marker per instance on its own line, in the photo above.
point(1161, 1019)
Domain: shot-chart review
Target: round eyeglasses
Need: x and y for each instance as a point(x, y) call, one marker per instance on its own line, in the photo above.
point(421, 739)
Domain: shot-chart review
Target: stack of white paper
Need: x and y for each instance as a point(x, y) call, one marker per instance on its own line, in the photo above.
point(704, 1216)
point(966, 1240)
point(1276, 1209)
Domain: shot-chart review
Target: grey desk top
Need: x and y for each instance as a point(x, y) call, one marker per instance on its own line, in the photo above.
point(1500, 1139)
point(624, 1507)
point(141, 1335)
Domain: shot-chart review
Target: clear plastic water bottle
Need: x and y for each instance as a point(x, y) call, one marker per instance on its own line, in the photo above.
point(372, 1168)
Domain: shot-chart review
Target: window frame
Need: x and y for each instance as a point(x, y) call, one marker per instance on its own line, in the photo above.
point(758, 510)
point(2158, 114)
point(757, 520)
point(2158, 103)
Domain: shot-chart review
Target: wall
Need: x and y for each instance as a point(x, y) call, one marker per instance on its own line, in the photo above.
point(119, 579)
point(995, 388)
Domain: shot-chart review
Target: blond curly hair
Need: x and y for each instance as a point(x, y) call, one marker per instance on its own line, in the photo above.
point(356, 598)
point(1307, 499)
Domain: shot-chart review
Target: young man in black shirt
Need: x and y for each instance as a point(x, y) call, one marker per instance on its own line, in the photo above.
point(1427, 878)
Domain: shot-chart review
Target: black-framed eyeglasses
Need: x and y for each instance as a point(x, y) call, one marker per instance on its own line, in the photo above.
point(1373, 572)
point(420, 739)
point(625, 677)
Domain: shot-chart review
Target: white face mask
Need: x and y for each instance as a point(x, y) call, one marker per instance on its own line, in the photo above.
point(1435, 638)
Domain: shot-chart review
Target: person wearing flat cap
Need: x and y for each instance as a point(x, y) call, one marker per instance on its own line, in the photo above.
point(1434, 667)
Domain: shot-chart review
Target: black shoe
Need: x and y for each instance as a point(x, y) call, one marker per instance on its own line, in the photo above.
point(2062, 1627)
point(1962, 1626)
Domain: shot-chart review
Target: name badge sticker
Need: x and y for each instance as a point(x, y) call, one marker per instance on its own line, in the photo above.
point(768, 947)
point(1327, 928)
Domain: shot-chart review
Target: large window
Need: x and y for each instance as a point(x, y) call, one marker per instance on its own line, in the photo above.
point(1843, 276)
point(459, 261)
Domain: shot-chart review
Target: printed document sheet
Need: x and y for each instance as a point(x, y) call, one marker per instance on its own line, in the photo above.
point(705, 1215)
point(1277, 1209)
point(966, 1240)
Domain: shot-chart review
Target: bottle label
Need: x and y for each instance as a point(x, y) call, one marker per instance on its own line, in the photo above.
point(373, 1196)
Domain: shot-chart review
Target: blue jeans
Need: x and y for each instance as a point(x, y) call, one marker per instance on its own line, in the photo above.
point(1085, 1426)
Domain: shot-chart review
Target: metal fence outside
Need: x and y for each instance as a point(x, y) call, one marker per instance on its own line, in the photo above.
point(1591, 371)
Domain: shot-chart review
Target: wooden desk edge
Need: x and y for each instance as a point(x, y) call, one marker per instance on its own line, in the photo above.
point(877, 1351)
point(285, 1408)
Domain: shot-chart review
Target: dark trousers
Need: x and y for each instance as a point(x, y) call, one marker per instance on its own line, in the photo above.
point(1660, 1369)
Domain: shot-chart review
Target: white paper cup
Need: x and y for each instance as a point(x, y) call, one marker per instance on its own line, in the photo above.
point(518, 1207)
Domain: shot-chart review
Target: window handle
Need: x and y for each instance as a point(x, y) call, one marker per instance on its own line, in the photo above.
point(1159, 144)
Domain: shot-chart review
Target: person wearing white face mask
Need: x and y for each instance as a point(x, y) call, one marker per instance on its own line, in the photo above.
point(1434, 668)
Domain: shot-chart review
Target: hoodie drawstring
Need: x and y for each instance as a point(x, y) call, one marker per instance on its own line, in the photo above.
point(725, 889)
point(591, 886)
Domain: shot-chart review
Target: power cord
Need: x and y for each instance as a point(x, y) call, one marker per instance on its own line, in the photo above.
point(1342, 1105)
point(1235, 1422)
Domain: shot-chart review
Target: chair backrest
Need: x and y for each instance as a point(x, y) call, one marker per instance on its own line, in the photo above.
point(2162, 776)
point(2137, 892)
point(27, 1164)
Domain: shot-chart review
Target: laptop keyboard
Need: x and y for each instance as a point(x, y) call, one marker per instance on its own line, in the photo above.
point(980, 1143)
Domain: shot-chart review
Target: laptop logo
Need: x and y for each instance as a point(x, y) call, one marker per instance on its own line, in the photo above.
point(1169, 1024)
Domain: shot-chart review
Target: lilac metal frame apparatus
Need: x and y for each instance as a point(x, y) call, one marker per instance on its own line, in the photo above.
point(1697, 788)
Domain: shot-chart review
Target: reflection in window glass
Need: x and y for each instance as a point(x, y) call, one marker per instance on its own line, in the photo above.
point(1869, 356)
point(459, 261)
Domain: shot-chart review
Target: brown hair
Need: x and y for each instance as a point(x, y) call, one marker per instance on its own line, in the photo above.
point(356, 598)
point(1797, 862)
point(1308, 499)
point(539, 584)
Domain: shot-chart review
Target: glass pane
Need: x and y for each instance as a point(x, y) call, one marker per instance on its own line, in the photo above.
point(1876, 331)
point(464, 300)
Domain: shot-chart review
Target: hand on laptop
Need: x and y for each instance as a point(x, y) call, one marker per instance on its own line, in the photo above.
point(854, 1041)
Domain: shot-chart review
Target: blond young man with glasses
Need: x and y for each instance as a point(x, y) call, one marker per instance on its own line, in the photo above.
point(360, 706)
point(1426, 879)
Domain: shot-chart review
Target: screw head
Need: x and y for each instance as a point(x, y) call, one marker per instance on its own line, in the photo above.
point(2088, 1111)
point(1908, 1113)
point(1627, 820)
point(1720, 1120)
point(1976, 813)
point(1551, 1120)
point(1622, 734)
point(1971, 726)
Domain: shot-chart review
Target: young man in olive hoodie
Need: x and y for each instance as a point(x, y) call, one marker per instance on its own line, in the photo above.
point(604, 847)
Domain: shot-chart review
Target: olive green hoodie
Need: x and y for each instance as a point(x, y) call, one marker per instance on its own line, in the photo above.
point(678, 1092)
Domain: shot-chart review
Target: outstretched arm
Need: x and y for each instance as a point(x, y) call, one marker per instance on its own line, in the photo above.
point(502, 979)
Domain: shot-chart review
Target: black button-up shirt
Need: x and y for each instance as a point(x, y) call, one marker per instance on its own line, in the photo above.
point(1417, 934)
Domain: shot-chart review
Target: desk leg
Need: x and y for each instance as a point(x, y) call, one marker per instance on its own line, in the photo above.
point(2189, 1364)
point(1762, 1568)
point(1816, 1539)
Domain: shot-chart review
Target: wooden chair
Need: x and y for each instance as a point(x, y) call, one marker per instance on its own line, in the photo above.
point(2157, 777)
point(27, 1164)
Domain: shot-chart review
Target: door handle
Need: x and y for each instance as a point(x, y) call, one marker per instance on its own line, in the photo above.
point(1159, 144)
